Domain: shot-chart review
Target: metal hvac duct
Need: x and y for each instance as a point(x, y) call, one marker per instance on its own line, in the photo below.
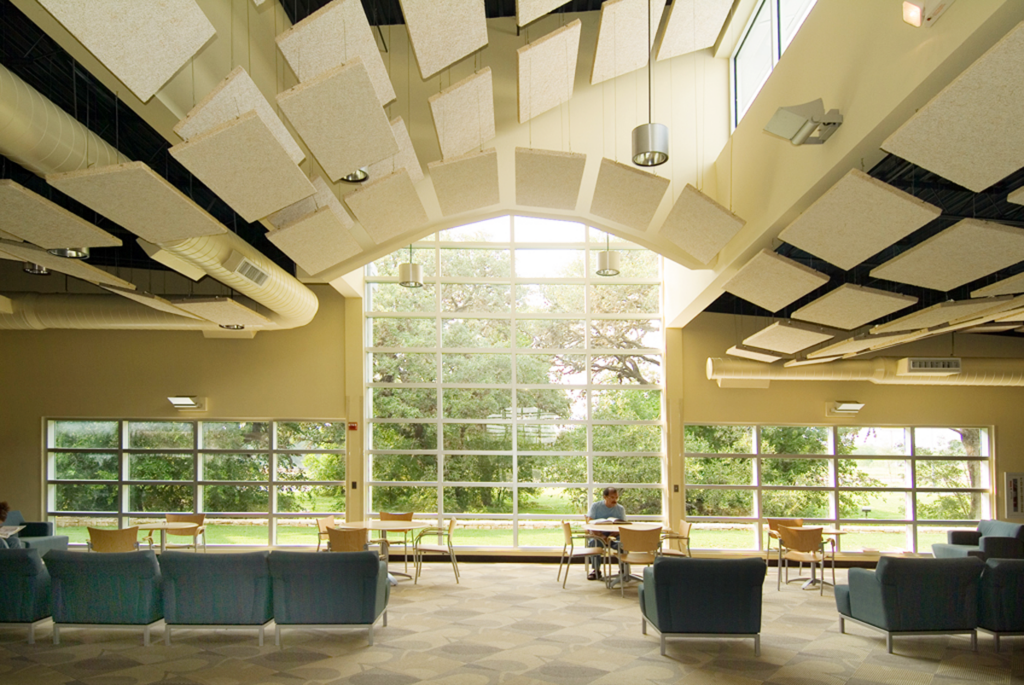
point(880, 370)
point(45, 139)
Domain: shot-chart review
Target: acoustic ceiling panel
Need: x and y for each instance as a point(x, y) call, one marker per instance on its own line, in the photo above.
point(340, 119)
point(756, 355)
point(964, 252)
point(134, 196)
point(388, 207)
point(444, 31)
point(334, 35)
point(787, 337)
point(222, 311)
point(149, 300)
point(850, 306)
point(627, 195)
point(1007, 286)
point(944, 313)
point(548, 178)
point(809, 362)
point(233, 97)
point(692, 25)
point(466, 183)
point(857, 217)
point(547, 70)
point(1016, 197)
point(854, 345)
point(323, 197)
point(464, 114)
point(624, 37)
point(244, 164)
point(31, 217)
point(405, 159)
point(772, 281)
point(72, 267)
point(528, 10)
point(316, 241)
point(699, 225)
point(970, 132)
point(142, 43)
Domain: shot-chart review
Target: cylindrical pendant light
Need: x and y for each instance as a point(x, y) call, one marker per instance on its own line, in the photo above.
point(410, 275)
point(607, 261)
point(650, 140)
point(70, 252)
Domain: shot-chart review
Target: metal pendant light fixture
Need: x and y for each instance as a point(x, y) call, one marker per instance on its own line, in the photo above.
point(360, 175)
point(70, 252)
point(410, 275)
point(35, 269)
point(650, 140)
point(607, 261)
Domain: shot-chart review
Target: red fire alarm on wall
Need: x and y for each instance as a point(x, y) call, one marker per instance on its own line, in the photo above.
point(353, 425)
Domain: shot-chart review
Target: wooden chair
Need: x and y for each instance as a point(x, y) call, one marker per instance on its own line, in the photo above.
point(404, 516)
point(419, 547)
point(682, 535)
point(113, 540)
point(200, 529)
point(638, 544)
point(353, 540)
point(569, 552)
point(773, 528)
point(322, 524)
point(805, 545)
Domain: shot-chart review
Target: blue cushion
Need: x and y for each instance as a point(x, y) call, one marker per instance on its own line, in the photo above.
point(118, 588)
point(211, 589)
point(1000, 591)
point(26, 586)
point(328, 588)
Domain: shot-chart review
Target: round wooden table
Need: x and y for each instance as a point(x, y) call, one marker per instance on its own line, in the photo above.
point(390, 526)
point(163, 527)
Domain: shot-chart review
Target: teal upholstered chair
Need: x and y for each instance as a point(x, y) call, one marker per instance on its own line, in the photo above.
point(25, 594)
point(216, 591)
point(1001, 598)
point(120, 589)
point(36, 534)
point(992, 540)
point(913, 597)
point(685, 597)
point(343, 589)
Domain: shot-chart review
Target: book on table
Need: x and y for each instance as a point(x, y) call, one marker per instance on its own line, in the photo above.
point(608, 520)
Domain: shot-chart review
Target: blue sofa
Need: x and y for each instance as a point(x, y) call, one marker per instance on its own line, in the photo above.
point(331, 590)
point(217, 590)
point(119, 589)
point(911, 596)
point(1001, 598)
point(686, 597)
point(25, 598)
point(992, 540)
point(36, 534)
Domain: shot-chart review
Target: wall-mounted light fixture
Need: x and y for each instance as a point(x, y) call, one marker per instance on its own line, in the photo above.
point(187, 402)
point(843, 408)
point(797, 123)
point(924, 13)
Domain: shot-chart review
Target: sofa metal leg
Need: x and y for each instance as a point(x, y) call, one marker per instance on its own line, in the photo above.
point(369, 635)
point(643, 625)
point(385, 618)
point(888, 642)
point(56, 634)
point(757, 645)
point(145, 636)
point(996, 639)
point(663, 644)
point(261, 635)
point(167, 636)
point(277, 635)
point(974, 640)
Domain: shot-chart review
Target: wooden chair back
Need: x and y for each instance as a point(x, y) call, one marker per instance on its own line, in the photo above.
point(116, 540)
point(774, 523)
point(684, 529)
point(801, 539)
point(567, 533)
point(347, 539)
point(197, 519)
point(637, 539)
point(322, 524)
point(388, 516)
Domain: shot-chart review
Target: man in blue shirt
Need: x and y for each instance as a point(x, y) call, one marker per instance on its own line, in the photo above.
point(608, 509)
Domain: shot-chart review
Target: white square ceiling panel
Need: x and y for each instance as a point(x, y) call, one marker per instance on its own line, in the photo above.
point(854, 345)
point(405, 159)
point(222, 311)
point(548, 178)
point(23, 252)
point(772, 281)
point(970, 132)
point(945, 312)
point(31, 217)
point(134, 196)
point(1007, 286)
point(317, 241)
point(699, 225)
point(692, 25)
point(466, 183)
point(627, 195)
point(787, 337)
point(528, 10)
point(149, 300)
point(323, 197)
point(388, 207)
point(850, 306)
point(624, 37)
point(244, 164)
point(547, 70)
point(444, 31)
point(464, 114)
point(756, 355)
point(142, 43)
point(964, 252)
point(857, 217)
point(334, 35)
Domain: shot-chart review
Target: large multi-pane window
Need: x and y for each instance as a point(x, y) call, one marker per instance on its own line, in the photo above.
point(515, 384)
point(258, 482)
point(887, 488)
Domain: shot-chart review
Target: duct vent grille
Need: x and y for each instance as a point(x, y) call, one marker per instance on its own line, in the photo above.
point(932, 366)
point(246, 269)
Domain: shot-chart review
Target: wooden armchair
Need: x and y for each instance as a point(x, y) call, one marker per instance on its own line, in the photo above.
point(200, 529)
point(682, 534)
point(569, 552)
point(419, 547)
point(773, 528)
point(322, 524)
point(637, 545)
point(805, 545)
point(116, 540)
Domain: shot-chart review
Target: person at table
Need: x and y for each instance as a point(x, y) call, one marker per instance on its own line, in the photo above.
point(607, 509)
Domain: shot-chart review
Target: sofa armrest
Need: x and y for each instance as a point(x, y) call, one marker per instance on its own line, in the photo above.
point(36, 529)
point(1002, 548)
point(383, 590)
point(866, 598)
point(963, 537)
point(649, 598)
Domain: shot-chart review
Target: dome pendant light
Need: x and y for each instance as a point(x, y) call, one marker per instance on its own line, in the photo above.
point(607, 261)
point(410, 275)
point(650, 140)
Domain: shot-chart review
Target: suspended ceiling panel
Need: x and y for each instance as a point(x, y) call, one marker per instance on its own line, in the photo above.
point(1016, 197)
point(854, 345)
point(547, 70)
point(244, 164)
point(528, 10)
point(627, 195)
point(444, 31)
point(970, 132)
point(134, 196)
point(233, 97)
point(142, 43)
point(323, 197)
point(405, 159)
point(548, 178)
point(466, 183)
point(150, 300)
point(692, 25)
point(24, 252)
point(857, 217)
point(899, 339)
point(31, 217)
point(1007, 286)
point(756, 355)
point(944, 313)
point(964, 252)
point(772, 281)
point(388, 207)
point(334, 35)
point(850, 306)
point(340, 119)
point(787, 337)
point(316, 241)
point(699, 225)
point(809, 362)
point(222, 311)
point(464, 114)
point(624, 37)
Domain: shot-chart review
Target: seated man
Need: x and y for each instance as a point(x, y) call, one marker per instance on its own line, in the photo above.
point(608, 509)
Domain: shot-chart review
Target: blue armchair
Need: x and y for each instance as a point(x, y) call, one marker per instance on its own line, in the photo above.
point(992, 540)
point(685, 597)
point(25, 599)
point(119, 589)
point(913, 597)
point(217, 590)
point(329, 590)
point(37, 534)
point(1000, 609)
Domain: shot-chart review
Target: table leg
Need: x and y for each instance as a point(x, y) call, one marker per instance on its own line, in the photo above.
point(163, 540)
